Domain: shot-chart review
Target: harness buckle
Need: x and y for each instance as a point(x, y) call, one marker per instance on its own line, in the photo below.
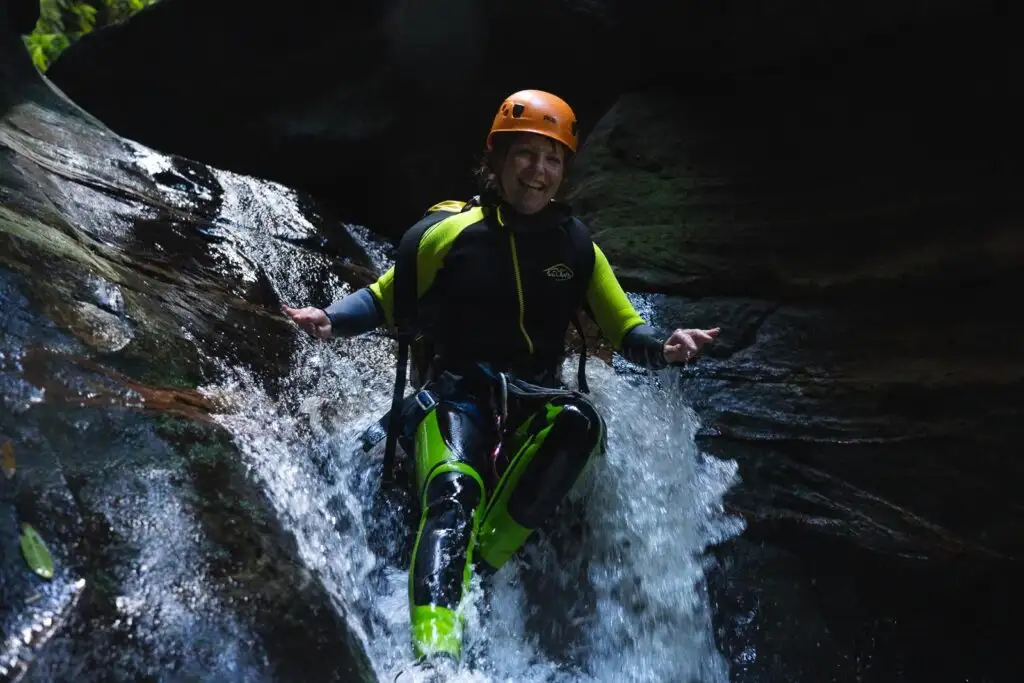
point(425, 400)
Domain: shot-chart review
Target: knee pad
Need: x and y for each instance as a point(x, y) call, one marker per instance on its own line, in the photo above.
point(452, 490)
point(443, 543)
point(579, 423)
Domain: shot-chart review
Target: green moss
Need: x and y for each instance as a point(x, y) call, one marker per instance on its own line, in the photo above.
point(61, 22)
point(39, 236)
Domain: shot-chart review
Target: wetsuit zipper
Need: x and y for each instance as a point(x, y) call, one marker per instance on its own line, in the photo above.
point(519, 291)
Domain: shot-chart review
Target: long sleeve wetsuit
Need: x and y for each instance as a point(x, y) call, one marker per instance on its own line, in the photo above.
point(501, 292)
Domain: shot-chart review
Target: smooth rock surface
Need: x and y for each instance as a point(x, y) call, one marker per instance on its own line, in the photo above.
point(117, 287)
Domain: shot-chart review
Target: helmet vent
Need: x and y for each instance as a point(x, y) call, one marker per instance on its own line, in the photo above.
point(517, 110)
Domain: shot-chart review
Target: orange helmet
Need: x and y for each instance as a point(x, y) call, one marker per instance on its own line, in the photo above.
point(536, 111)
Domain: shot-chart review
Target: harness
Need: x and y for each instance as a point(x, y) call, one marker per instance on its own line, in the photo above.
point(407, 328)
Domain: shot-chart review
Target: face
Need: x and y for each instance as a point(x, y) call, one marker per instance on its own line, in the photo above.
point(532, 172)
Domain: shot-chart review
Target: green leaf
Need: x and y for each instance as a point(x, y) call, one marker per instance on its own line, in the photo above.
point(62, 22)
point(35, 552)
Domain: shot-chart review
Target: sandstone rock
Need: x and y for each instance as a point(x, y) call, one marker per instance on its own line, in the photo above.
point(846, 211)
point(101, 330)
point(114, 263)
point(800, 184)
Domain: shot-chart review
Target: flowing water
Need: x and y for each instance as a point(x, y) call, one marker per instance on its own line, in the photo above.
point(613, 591)
point(624, 604)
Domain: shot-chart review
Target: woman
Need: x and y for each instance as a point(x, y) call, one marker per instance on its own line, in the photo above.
point(498, 281)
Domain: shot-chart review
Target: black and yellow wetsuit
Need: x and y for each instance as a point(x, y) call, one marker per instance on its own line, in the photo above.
point(497, 291)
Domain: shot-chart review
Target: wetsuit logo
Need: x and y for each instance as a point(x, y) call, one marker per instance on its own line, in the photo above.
point(559, 271)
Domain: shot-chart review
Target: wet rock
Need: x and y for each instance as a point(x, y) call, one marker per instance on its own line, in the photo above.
point(122, 274)
point(107, 295)
point(867, 377)
point(802, 608)
point(798, 183)
point(847, 218)
point(99, 329)
point(877, 447)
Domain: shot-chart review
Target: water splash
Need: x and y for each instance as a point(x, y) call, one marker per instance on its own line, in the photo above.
point(623, 600)
point(613, 591)
point(165, 600)
point(651, 507)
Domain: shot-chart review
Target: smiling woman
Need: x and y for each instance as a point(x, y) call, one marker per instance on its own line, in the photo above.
point(532, 141)
point(532, 171)
point(498, 440)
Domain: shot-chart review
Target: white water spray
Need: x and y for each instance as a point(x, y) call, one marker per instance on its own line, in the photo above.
point(614, 593)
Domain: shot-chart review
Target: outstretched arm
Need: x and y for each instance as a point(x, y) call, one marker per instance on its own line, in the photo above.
point(346, 317)
point(628, 333)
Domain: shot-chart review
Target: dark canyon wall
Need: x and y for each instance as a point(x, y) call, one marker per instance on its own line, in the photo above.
point(837, 186)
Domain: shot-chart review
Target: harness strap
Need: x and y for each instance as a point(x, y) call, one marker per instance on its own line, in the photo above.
point(584, 246)
point(581, 371)
point(412, 409)
point(405, 326)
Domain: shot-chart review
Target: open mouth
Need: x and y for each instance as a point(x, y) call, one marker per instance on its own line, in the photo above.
point(529, 186)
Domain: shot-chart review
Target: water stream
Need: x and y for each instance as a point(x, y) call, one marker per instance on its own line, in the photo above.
point(613, 591)
point(235, 532)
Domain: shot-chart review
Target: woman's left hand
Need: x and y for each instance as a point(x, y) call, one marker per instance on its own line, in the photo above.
point(684, 345)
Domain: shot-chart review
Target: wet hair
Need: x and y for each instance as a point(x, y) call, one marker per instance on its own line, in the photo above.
point(488, 168)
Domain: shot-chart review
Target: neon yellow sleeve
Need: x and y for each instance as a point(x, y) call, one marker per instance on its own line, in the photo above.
point(433, 247)
point(612, 310)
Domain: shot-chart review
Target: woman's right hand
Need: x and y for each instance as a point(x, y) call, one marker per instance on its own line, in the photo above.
point(312, 320)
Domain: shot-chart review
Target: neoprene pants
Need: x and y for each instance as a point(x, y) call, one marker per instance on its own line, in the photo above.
point(471, 513)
